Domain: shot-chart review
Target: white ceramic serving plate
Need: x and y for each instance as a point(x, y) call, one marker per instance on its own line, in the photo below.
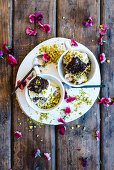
point(93, 66)
point(51, 69)
point(53, 80)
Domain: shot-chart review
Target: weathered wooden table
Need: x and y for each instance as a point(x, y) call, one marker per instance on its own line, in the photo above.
point(65, 18)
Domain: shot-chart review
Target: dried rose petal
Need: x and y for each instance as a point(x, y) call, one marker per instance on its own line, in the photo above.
point(67, 110)
point(46, 28)
point(105, 101)
point(30, 31)
point(84, 162)
point(102, 58)
point(29, 77)
point(24, 83)
point(11, 60)
point(71, 99)
point(98, 136)
point(35, 18)
point(46, 57)
point(101, 41)
point(61, 129)
point(1, 53)
point(61, 120)
point(47, 156)
point(37, 153)
point(7, 50)
point(65, 97)
point(89, 22)
point(39, 16)
point(32, 18)
point(103, 29)
point(79, 149)
point(18, 134)
point(74, 43)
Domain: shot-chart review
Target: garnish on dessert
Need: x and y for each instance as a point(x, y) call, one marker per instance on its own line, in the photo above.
point(54, 52)
point(77, 66)
point(43, 93)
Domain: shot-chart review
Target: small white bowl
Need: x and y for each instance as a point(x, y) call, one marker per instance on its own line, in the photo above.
point(53, 80)
point(93, 66)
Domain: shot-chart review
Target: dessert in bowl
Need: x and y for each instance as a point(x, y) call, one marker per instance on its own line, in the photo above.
point(44, 93)
point(77, 67)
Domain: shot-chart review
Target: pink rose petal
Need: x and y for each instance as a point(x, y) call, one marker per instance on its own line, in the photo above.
point(47, 156)
point(24, 83)
point(37, 153)
point(39, 16)
point(1, 53)
point(105, 101)
point(61, 129)
point(67, 110)
point(11, 60)
point(61, 120)
point(46, 57)
point(98, 136)
point(18, 134)
point(101, 41)
point(29, 78)
point(46, 28)
point(103, 29)
point(74, 43)
point(79, 149)
point(89, 22)
point(35, 18)
point(30, 31)
point(102, 58)
point(32, 18)
point(65, 97)
point(7, 50)
point(71, 99)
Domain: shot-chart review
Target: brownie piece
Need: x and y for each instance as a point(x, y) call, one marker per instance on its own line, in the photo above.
point(76, 66)
point(38, 84)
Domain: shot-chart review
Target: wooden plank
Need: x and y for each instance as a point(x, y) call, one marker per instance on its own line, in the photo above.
point(107, 114)
point(69, 24)
point(23, 150)
point(5, 89)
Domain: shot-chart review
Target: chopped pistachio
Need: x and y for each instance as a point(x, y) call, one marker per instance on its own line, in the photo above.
point(108, 61)
point(84, 128)
point(80, 113)
point(54, 52)
point(77, 126)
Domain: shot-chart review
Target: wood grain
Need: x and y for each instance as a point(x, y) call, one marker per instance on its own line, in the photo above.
point(69, 24)
point(5, 89)
point(107, 70)
point(23, 150)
